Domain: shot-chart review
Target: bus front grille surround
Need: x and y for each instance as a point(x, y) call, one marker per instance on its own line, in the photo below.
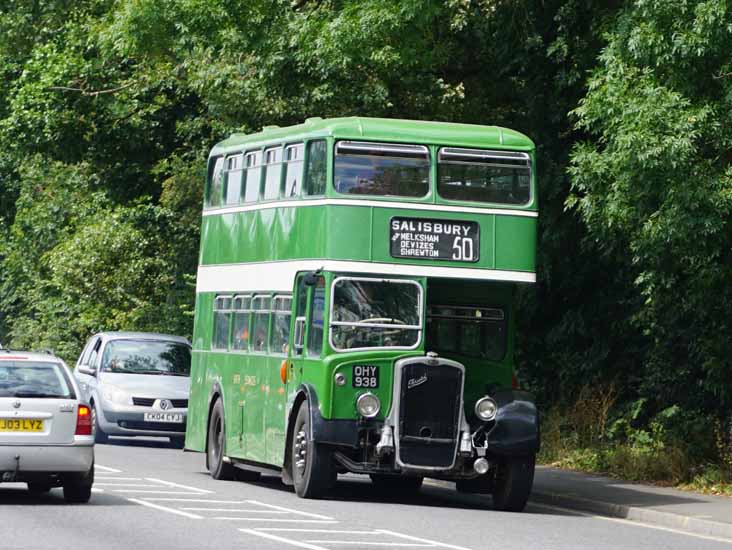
point(428, 412)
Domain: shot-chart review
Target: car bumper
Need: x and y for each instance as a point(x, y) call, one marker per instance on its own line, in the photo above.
point(75, 458)
point(131, 421)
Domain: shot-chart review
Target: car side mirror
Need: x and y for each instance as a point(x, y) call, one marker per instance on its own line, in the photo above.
point(299, 335)
point(86, 369)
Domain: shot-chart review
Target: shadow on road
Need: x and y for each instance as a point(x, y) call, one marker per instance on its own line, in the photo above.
point(148, 442)
point(16, 494)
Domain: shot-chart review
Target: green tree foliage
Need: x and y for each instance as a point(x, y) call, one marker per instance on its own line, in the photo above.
point(653, 186)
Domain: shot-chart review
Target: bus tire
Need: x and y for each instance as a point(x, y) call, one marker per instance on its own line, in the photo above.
point(396, 485)
point(512, 484)
point(215, 444)
point(313, 471)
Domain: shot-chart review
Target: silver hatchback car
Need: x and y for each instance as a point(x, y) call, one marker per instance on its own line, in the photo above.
point(45, 426)
point(137, 384)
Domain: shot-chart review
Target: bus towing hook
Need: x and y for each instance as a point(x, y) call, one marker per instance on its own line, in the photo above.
point(385, 445)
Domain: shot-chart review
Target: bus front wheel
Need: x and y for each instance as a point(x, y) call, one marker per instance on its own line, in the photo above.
point(215, 445)
point(313, 471)
point(512, 484)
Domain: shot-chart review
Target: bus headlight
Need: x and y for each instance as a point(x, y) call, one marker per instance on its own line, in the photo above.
point(486, 409)
point(368, 405)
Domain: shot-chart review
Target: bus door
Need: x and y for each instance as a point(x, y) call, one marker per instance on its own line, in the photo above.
point(308, 333)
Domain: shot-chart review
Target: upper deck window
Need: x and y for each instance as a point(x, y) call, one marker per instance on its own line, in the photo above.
point(214, 197)
point(386, 169)
point(375, 313)
point(233, 179)
point(479, 175)
point(272, 173)
point(316, 171)
point(293, 170)
point(253, 164)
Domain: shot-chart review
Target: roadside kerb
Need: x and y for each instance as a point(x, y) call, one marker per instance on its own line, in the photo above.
point(634, 513)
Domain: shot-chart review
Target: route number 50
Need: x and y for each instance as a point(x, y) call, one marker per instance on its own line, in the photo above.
point(462, 249)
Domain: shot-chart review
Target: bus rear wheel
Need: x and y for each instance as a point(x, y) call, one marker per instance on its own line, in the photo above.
point(215, 445)
point(313, 471)
point(512, 484)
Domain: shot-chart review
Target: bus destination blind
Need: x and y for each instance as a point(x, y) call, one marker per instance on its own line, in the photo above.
point(425, 239)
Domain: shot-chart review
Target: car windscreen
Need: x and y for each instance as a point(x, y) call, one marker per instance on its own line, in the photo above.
point(384, 169)
point(39, 379)
point(147, 357)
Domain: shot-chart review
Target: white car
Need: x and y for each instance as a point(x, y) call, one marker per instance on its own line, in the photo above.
point(46, 437)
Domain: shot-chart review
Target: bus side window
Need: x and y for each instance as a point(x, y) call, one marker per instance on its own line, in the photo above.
point(316, 169)
point(233, 180)
point(315, 323)
point(215, 194)
point(222, 315)
point(240, 322)
point(260, 322)
point(280, 333)
point(253, 164)
point(272, 173)
point(293, 170)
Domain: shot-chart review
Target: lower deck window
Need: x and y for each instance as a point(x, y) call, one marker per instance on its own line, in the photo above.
point(470, 331)
point(222, 315)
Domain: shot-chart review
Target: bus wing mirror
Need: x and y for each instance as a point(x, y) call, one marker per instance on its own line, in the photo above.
point(299, 334)
point(311, 278)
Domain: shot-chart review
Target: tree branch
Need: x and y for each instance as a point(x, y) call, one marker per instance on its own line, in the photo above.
point(92, 93)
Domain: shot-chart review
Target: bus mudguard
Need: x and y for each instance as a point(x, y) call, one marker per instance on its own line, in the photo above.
point(329, 432)
point(516, 429)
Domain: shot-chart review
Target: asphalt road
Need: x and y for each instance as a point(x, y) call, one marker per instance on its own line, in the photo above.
point(149, 496)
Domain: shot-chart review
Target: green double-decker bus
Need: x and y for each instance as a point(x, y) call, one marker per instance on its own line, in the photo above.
point(355, 306)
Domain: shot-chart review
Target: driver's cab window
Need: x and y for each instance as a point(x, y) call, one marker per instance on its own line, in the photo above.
point(470, 331)
point(317, 314)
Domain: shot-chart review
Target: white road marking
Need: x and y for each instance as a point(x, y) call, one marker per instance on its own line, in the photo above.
point(165, 508)
point(171, 484)
point(282, 539)
point(237, 510)
point(417, 539)
point(302, 530)
point(288, 510)
point(95, 490)
point(629, 522)
point(152, 491)
point(210, 501)
point(390, 544)
point(125, 484)
point(226, 518)
point(107, 469)
point(117, 478)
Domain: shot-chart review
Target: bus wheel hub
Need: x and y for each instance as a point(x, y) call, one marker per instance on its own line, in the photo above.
point(301, 451)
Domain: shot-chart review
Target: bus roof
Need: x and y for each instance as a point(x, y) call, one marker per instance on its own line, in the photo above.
point(384, 129)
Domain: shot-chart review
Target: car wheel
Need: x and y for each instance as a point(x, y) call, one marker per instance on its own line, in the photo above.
point(99, 435)
point(512, 484)
point(37, 489)
point(313, 471)
point(78, 489)
point(396, 485)
point(215, 445)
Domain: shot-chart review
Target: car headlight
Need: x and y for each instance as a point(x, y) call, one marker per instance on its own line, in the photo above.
point(115, 395)
point(486, 409)
point(368, 405)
